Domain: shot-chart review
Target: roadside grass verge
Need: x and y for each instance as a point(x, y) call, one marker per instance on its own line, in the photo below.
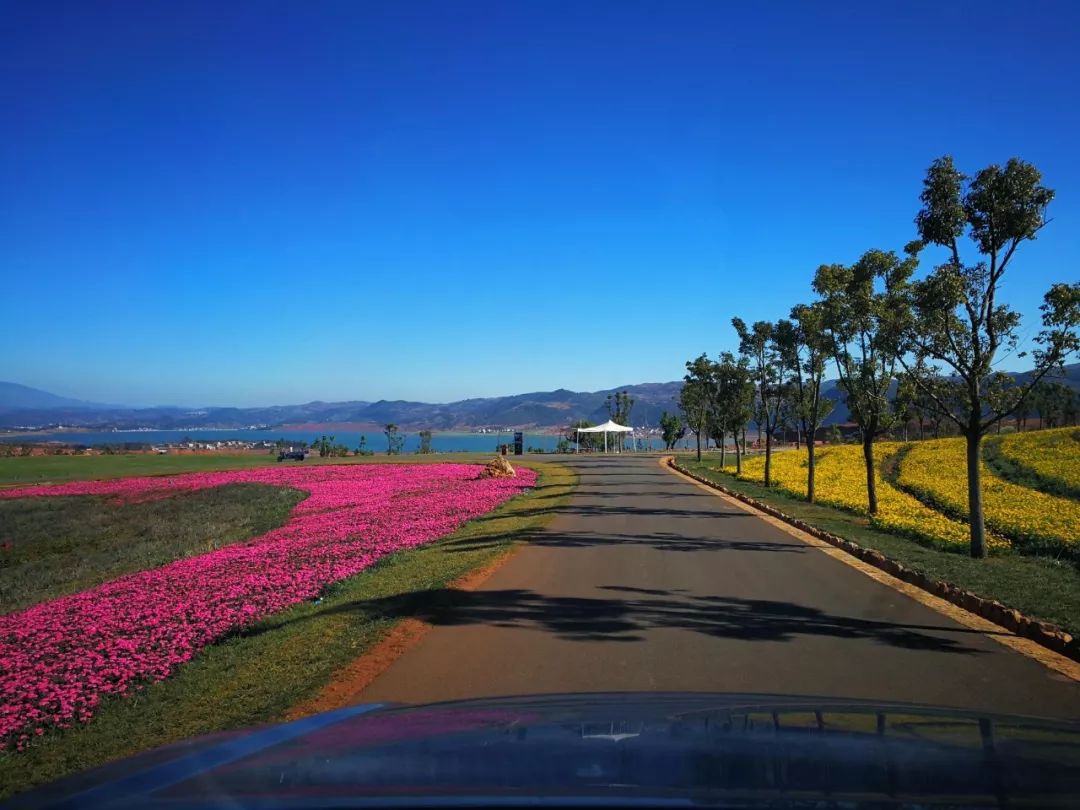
point(56, 546)
point(1043, 588)
point(259, 674)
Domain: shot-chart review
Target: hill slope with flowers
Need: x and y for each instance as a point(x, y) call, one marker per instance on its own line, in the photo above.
point(922, 490)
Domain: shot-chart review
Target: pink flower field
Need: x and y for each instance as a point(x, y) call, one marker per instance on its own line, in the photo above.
point(58, 658)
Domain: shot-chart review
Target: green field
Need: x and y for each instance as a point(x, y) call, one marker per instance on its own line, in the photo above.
point(258, 675)
point(63, 545)
point(17, 471)
point(1042, 587)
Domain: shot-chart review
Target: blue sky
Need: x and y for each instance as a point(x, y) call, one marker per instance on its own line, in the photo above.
point(255, 203)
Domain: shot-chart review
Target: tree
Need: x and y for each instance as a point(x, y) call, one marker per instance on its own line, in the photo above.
point(804, 352)
point(957, 325)
point(327, 446)
point(324, 445)
point(835, 435)
point(619, 406)
point(862, 338)
point(734, 401)
point(1072, 408)
point(425, 442)
point(361, 447)
point(671, 429)
point(1023, 411)
point(905, 407)
point(716, 433)
point(912, 403)
point(584, 441)
point(758, 345)
point(697, 396)
point(394, 440)
point(1053, 401)
point(787, 418)
point(1043, 400)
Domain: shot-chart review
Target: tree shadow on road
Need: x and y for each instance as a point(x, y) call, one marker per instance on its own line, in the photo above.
point(621, 509)
point(660, 541)
point(628, 614)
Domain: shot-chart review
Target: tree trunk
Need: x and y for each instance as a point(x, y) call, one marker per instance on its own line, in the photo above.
point(768, 455)
point(723, 451)
point(871, 482)
point(975, 504)
point(698, 434)
point(810, 471)
point(738, 455)
point(744, 440)
point(922, 434)
point(798, 437)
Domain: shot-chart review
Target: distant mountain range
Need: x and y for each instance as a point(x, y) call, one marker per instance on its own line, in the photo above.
point(15, 397)
point(24, 407)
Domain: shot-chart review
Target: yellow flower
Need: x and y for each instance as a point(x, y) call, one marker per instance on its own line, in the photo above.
point(840, 481)
point(937, 471)
point(1052, 454)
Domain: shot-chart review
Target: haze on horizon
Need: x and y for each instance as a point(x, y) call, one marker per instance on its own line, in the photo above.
point(251, 205)
point(315, 398)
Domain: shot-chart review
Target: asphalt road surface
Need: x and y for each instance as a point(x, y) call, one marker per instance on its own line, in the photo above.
point(644, 582)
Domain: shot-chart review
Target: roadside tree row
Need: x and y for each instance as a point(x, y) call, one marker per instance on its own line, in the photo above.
point(903, 346)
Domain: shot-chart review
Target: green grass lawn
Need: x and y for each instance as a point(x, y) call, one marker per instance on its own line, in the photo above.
point(259, 675)
point(54, 546)
point(1040, 587)
point(16, 471)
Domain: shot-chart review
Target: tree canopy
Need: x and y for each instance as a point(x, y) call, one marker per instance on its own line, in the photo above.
point(697, 396)
point(953, 324)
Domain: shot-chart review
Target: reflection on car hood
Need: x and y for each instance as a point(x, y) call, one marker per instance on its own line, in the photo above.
point(604, 749)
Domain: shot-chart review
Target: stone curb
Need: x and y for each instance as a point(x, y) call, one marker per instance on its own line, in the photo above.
point(1048, 635)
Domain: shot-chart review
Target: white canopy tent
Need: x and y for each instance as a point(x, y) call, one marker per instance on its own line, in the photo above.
point(606, 428)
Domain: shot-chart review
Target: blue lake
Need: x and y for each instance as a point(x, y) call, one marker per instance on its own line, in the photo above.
point(376, 441)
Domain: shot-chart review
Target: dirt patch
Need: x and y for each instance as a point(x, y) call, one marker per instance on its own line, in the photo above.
point(351, 680)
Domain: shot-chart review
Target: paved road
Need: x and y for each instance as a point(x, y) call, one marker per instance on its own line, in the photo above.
point(645, 582)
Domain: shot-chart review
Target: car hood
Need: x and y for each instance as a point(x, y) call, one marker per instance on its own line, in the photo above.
point(603, 749)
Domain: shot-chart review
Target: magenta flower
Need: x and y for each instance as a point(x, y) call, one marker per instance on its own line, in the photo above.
point(58, 658)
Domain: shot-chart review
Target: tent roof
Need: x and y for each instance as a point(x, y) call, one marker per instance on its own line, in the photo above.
point(607, 427)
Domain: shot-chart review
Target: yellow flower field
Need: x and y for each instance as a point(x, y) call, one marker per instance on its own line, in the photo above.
point(1051, 454)
point(936, 470)
point(841, 482)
